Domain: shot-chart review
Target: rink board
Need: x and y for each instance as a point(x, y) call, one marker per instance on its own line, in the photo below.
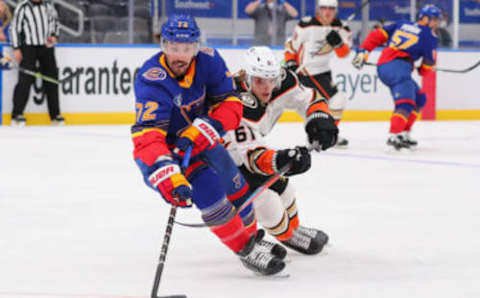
point(103, 93)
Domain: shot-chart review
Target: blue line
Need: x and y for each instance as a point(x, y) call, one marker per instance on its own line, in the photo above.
point(418, 161)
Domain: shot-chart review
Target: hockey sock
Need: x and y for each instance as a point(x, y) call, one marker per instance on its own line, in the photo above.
point(248, 219)
point(232, 233)
point(411, 120)
point(283, 230)
point(397, 123)
point(289, 223)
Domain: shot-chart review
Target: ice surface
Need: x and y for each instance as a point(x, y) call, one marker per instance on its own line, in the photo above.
point(77, 221)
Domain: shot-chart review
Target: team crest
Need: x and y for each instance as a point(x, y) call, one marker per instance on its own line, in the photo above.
point(155, 74)
point(177, 100)
point(248, 100)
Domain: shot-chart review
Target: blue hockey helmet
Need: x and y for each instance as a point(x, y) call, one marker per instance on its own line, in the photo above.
point(431, 11)
point(180, 28)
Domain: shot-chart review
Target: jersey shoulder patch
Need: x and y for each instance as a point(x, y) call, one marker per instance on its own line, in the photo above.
point(252, 109)
point(248, 100)
point(155, 74)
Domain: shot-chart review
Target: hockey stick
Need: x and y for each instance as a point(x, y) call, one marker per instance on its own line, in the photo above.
point(46, 78)
point(250, 199)
point(254, 194)
point(442, 69)
point(349, 19)
point(39, 75)
point(166, 239)
point(352, 16)
point(459, 70)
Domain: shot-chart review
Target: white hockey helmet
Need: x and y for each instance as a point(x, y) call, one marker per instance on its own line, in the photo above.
point(261, 62)
point(328, 3)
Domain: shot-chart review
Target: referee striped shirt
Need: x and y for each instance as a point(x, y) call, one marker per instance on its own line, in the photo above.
point(33, 23)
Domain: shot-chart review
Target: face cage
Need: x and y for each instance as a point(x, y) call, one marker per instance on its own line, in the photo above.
point(163, 45)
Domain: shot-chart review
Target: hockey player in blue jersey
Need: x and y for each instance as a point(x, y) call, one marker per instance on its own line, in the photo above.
point(185, 97)
point(406, 43)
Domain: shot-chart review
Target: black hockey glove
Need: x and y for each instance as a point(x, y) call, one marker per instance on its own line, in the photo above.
point(299, 159)
point(334, 39)
point(291, 65)
point(321, 130)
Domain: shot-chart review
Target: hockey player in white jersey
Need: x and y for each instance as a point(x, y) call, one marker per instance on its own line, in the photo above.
point(308, 52)
point(267, 90)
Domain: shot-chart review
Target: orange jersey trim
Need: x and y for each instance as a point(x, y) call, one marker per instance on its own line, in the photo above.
point(342, 51)
point(187, 80)
point(265, 162)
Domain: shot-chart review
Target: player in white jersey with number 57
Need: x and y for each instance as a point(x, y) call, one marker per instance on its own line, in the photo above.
point(309, 51)
point(267, 90)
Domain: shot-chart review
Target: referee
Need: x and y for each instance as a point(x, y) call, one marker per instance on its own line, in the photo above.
point(34, 32)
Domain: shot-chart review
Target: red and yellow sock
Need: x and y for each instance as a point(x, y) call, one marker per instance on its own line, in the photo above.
point(233, 234)
point(398, 122)
point(411, 120)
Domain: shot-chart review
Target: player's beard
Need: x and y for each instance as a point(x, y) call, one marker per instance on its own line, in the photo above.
point(179, 67)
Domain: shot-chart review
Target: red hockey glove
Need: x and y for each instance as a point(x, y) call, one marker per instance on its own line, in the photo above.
point(172, 185)
point(201, 135)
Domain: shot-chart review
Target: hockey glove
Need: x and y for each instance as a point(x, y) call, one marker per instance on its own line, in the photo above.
point(291, 65)
point(172, 185)
point(334, 39)
point(203, 134)
point(299, 159)
point(360, 58)
point(321, 130)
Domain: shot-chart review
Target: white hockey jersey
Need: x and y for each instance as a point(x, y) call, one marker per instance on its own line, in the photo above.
point(309, 47)
point(259, 119)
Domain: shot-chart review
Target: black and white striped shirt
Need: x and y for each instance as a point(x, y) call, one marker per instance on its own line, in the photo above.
point(33, 23)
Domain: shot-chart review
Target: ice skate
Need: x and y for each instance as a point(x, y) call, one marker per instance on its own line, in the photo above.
point(58, 121)
point(307, 241)
point(18, 121)
point(254, 258)
point(272, 248)
point(342, 143)
point(397, 142)
point(318, 236)
point(408, 139)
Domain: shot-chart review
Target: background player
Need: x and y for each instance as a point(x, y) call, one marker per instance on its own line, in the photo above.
point(185, 97)
point(266, 91)
point(407, 42)
point(310, 50)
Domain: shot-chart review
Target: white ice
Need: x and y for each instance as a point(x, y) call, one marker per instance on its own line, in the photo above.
point(76, 220)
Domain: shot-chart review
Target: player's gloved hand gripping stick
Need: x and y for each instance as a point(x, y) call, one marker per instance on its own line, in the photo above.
point(295, 162)
point(166, 238)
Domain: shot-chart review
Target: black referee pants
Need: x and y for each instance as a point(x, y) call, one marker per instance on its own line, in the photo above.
point(48, 67)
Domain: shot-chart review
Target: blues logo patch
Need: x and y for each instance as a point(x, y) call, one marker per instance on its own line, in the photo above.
point(155, 74)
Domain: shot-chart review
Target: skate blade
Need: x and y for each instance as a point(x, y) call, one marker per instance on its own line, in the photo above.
point(279, 275)
point(17, 124)
point(391, 150)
